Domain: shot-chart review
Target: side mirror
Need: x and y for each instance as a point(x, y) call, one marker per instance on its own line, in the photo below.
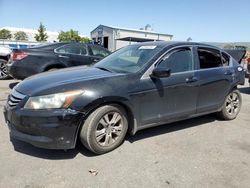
point(160, 73)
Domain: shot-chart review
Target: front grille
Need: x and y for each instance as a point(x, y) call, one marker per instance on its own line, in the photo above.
point(14, 98)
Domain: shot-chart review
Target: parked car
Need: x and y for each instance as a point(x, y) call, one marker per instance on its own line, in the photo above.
point(34, 60)
point(139, 86)
point(248, 69)
point(239, 54)
point(4, 58)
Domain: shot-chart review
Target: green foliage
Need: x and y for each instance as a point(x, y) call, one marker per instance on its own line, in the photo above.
point(5, 34)
point(85, 40)
point(71, 35)
point(42, 35)
point(20, 35)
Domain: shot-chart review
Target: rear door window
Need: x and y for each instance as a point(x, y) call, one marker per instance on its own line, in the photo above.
point(179, 60)
point(99, 52)
point(77, 49)
point(209, 58)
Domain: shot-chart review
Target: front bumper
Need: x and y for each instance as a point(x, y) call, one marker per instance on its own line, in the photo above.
point(50, 129)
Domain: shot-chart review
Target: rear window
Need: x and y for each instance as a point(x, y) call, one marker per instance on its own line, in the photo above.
point(73, 48)
point(209, 58)
point(97, 51)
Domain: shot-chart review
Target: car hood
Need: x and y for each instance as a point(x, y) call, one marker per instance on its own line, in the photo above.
point(50, 82)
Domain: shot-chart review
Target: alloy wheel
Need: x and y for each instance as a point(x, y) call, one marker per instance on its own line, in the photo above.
point(109, 129)
point(3, 70)
point(232, 104)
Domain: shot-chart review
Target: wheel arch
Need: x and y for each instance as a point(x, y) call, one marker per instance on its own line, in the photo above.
point(120, 101)
point(88, 109)
point(235, 86)
point(52, 66)
point(6, 58)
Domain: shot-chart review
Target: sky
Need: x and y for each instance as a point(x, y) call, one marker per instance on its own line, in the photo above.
point(203, 21)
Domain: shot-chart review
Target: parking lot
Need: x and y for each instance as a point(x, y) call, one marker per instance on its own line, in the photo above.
point(201, 152)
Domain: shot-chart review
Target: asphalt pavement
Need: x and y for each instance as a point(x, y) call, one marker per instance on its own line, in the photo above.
point(200, 152)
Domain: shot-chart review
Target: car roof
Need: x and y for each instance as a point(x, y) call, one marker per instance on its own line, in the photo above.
point(49, 45)
point(165, 44)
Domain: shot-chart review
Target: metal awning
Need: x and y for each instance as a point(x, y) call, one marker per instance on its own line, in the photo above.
point(135, 39)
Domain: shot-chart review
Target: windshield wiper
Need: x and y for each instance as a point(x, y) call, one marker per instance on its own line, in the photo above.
point(104, 68)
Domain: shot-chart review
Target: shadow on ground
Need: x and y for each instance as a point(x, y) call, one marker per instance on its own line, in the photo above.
point(13, 84)
point(172, 127)
point(245, 90)
point(28, 149)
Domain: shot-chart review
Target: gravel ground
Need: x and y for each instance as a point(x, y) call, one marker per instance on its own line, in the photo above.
point(201, 152)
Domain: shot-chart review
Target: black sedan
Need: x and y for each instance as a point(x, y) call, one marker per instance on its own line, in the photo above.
point(30, 61)
point(140, 86)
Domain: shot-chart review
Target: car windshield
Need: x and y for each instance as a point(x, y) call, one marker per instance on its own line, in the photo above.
point(129, 59)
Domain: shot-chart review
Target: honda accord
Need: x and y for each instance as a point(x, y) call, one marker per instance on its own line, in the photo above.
point(139, 86)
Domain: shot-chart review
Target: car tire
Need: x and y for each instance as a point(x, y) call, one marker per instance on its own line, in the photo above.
point(104, 129)
point(231, 106)
point(3, 70)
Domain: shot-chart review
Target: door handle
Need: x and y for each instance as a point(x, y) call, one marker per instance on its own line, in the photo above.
point(64, 56)
point(95, 60)
point(229, 73)
point(191, 79)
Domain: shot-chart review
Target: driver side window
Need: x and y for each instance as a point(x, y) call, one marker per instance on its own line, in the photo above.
point(178, 60)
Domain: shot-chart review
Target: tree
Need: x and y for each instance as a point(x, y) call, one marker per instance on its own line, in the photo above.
point(189, 39)
point(42, 35)
point(20, 35)
point(5, 34)
point(71, 35)
point(85, 40)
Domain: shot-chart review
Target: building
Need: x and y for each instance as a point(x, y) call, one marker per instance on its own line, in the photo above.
point(114, 38)
point(52, 35)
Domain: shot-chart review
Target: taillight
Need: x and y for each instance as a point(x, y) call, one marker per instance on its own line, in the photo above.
point(248, 61)
point(19, 55)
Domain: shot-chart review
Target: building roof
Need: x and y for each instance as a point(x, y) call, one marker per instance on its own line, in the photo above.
point(133, 30)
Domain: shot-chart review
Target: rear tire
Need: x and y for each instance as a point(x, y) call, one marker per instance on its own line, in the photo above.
point(231, 106)
point(4, 75)
point(104, 129)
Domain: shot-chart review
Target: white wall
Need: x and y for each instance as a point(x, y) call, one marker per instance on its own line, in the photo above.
point(151, 36)
point(114, 34)
point(107, 32)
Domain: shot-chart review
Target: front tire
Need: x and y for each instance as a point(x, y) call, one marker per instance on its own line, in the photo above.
point(3, 70)
point(104, 129)
point(231, 106)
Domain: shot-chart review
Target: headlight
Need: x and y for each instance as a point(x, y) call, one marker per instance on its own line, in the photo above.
point(58, 100)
